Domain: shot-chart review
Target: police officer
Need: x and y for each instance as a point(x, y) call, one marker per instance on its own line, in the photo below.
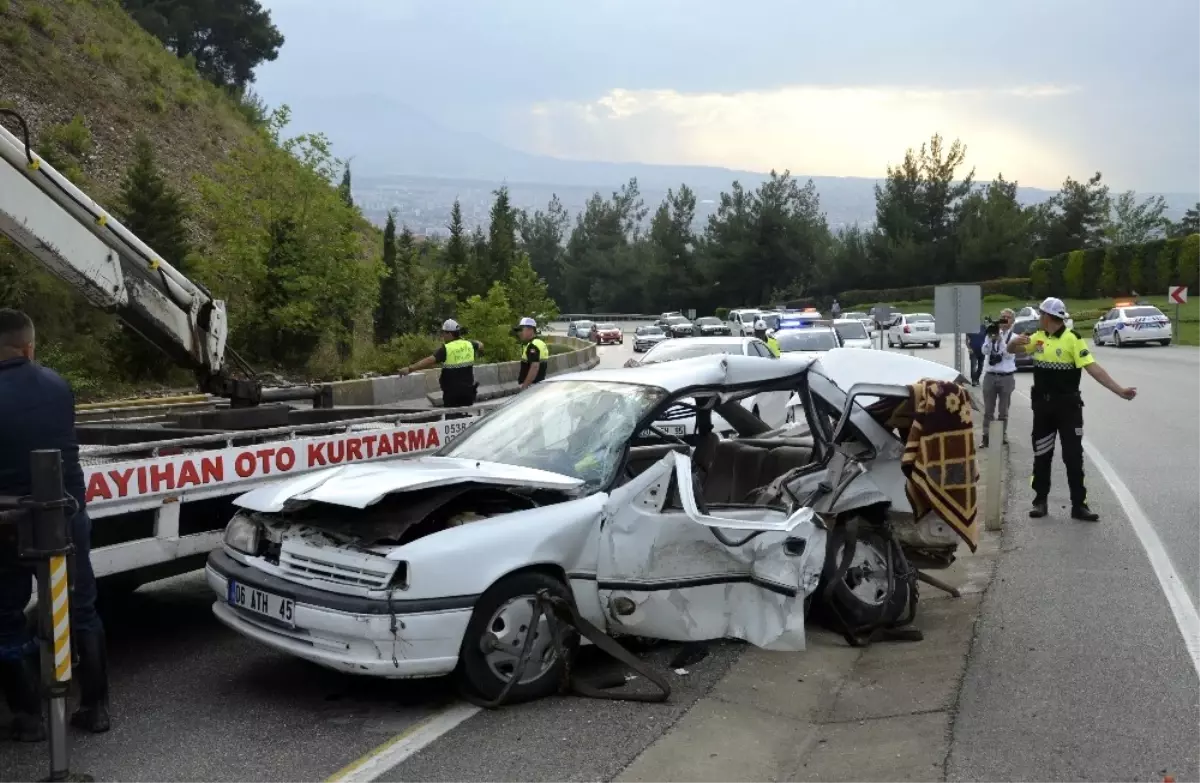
point(1060, 356)
point(760, 331)
point(534, 353)
point(457, 357)
point(37, 411)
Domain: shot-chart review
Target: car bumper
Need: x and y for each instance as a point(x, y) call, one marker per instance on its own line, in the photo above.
point(1145, 335)
point(332, 632)
point(919, 338)
point(609, 340)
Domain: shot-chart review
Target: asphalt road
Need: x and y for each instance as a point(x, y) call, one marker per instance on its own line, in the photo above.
point(1078, 671)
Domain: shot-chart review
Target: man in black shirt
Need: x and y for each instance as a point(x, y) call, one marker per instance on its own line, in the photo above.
point(37, 411)
point(535, 354)
point(457, 357)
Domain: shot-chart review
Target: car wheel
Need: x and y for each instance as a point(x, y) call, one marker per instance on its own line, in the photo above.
point(1167, 341)
point(861, 598)
point(1117, 340)
point(938, 344)
point(496, 635)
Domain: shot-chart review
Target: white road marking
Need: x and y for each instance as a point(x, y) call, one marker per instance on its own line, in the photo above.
point(405, 745)
point(1182, 606)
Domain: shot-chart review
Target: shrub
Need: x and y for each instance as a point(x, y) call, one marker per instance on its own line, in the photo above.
point(1040, 273)
point(3, 6)
point(722, 313)
point(14, 36)
point(1011, 287)
point(39, 19)
point(1187, 270)
point(1166, 261)
point(1073, 275)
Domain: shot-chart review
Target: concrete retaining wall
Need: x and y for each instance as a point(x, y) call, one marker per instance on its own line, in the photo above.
point(495, 380)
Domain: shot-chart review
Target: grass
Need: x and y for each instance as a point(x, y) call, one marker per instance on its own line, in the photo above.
point(1084, 312)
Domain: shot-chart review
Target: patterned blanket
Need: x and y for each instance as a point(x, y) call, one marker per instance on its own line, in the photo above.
point(939, 455)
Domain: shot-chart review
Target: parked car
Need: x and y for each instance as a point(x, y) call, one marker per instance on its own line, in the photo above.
point(913, 329)
point(646, 337)
point(809, 339)
point(711, 327)
point(580, 329)
point(680, 420)
point(741, 322)
point(852, 333)
point(867, 321)
point(607, 333)
point(1024, 361)
point(677, 326)
point(1127, 324)
point(433, 565)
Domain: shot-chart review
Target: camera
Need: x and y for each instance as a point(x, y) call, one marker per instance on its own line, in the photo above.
point(993, 329)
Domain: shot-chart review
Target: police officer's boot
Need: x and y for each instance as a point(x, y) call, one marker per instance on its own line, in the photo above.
point(92, 674)
point(19, 679)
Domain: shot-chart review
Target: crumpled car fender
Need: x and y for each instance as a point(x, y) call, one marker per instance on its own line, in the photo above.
point(468, 559)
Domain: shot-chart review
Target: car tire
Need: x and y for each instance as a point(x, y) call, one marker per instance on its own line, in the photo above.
point(938, 344)
point(486, 677)
point(1117, 340)
point(864, 602)
point(1167, 341)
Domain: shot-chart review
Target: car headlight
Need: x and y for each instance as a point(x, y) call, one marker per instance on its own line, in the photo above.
point(242, 533)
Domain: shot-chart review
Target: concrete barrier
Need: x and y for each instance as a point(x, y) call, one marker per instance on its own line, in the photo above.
point(495, 380)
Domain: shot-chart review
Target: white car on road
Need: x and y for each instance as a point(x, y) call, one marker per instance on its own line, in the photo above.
point(913, 329)
point(1127, 324)
point(680, 420)
point(807, 340)
point(427, 566)
point(852, 333)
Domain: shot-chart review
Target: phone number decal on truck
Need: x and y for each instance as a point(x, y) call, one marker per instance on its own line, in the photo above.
point(114, 483)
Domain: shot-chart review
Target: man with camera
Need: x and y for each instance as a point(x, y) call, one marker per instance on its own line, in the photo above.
point(999, 378)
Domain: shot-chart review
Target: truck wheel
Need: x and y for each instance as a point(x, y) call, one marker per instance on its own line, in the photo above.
point(496, 635)
point(861, 597)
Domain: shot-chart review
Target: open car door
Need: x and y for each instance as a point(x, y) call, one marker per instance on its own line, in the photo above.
point(669, 569)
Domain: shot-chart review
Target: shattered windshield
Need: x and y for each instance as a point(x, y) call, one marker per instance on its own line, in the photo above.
point(573, 428)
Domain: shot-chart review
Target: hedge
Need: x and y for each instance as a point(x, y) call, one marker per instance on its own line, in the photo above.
point(1015, 287)
point(1148, 268)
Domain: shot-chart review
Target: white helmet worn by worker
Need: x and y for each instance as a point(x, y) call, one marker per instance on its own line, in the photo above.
point(451, 326)
point(760, 325)
point(1055, 307)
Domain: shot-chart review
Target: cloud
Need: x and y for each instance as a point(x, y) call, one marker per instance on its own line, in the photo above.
point(847, 131)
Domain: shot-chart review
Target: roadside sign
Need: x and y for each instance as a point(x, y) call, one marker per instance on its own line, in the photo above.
point(691, 314)
point(957, 309)
point(1177, 294)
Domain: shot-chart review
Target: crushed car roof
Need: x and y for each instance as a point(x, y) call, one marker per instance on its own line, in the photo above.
point(715, 370)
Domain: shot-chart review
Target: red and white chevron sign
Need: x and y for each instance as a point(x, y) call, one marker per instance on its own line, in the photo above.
point(1177, 294)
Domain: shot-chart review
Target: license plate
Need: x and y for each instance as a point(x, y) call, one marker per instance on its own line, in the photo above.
point(260, 602)
point(677, 430)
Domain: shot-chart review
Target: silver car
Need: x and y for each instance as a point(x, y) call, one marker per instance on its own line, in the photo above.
point(646, 337)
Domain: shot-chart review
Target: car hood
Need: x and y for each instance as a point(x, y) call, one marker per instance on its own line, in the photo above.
point(850, 366)
point(360, 485)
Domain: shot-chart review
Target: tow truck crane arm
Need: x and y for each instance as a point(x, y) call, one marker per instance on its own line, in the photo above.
point(80, 242)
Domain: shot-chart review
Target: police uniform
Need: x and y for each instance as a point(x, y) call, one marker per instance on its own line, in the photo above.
point(534, 352)
point(457, 379)
point(1058, 362)
point(773, 345)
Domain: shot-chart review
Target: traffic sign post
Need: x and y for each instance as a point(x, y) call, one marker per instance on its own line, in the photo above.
point(1178, 295)
point(961, 308)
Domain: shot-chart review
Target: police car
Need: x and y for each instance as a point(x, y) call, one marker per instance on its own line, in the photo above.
point(1129, 323)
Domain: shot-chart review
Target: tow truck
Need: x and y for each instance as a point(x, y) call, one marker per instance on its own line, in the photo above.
point(159, 490)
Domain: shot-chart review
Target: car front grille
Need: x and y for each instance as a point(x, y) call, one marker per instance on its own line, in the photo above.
point(304, 562)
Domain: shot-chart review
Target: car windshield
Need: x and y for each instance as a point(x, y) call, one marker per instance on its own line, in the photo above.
point(677, 319)
point(583, 326)
point(708, 320)
point(673, 350)
point(1143, 312)
point(649, 330)
point(852, 331)
point(919, 318)
point(573, 428)
point(806, 340)
point(606, 327)
point(857, 316)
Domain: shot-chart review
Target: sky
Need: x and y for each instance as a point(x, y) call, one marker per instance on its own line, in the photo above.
point(1036, 89)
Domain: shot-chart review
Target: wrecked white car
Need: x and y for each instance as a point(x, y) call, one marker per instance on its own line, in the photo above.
point(426, 566)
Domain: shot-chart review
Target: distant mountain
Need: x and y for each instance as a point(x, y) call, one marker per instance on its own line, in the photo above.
point(395, 146)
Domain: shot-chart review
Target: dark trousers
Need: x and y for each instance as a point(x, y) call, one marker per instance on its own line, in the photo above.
point(458, 398)
point(1058, 416)
point(976, 365)
point(16, 588)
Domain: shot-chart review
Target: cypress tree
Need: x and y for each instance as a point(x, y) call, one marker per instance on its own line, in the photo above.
point(387, 312)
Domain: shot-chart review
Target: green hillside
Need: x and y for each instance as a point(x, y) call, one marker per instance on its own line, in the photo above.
point(263, 225)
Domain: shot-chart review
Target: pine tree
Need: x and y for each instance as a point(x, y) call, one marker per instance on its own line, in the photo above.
point(502, 236)
point(479, 277)
point(344, 188)
point(387, 311)
point(155, 213)
point(455, 258)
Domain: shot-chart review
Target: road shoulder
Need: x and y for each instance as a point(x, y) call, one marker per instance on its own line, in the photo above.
point(807, 716)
